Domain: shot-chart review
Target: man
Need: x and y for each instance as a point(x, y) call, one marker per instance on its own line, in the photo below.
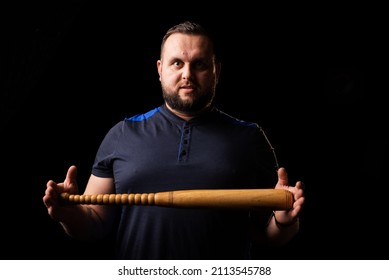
point(186, 143)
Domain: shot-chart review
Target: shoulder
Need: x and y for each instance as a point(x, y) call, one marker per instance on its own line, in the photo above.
point(223, 116)
point(144, 116)
point(132, 123)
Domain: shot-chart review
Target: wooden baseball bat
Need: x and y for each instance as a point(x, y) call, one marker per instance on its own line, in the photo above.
point(275, 199)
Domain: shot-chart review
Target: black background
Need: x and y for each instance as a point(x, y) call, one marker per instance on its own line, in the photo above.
point(312, 76)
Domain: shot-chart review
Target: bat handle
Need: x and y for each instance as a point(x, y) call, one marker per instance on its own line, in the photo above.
point(120, 199)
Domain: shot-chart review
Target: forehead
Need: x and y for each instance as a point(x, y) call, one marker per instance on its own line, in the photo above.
point(187, 45)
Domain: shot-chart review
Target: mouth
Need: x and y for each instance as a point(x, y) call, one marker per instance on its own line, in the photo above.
point(187, 89)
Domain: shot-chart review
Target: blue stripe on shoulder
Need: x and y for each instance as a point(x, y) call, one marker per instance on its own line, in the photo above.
point(141, 117)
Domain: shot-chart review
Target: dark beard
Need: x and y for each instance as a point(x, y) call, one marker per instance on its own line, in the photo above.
point(196, 105)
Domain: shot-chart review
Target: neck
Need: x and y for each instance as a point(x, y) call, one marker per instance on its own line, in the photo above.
point(186, 116)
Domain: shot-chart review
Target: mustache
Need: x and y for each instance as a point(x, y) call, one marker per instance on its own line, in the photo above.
point(187, 84)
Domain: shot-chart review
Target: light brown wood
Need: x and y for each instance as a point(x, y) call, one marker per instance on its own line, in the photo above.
point(275, 199)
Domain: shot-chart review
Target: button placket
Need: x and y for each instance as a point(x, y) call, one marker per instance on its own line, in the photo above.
point(185, 142)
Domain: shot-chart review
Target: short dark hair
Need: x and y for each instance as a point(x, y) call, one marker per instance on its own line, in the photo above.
point(191, 28)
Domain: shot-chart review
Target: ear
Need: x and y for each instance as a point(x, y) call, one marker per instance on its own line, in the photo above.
point(218, 69)
point(159, 68)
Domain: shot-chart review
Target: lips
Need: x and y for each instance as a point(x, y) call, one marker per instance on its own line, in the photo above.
point(187, 88)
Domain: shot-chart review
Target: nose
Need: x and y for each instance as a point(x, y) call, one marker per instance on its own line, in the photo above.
point(186, 72)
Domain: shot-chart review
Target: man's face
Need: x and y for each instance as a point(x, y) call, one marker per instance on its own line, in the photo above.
point(188, 73)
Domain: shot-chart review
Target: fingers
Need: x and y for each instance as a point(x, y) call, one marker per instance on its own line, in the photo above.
point(300, 185)
point(298, 190)
point(49, 199)
point(295, 212)
point(299, 198)
point(298, 202)
point(53, 189)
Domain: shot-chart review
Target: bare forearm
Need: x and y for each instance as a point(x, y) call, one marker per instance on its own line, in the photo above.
point(279, 234)
point(82, 222)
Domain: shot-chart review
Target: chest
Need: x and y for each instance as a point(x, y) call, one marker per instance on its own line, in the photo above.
point(187, 157)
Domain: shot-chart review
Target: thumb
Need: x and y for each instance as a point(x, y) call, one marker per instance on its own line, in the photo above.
point(282, 177)
point(71, 178)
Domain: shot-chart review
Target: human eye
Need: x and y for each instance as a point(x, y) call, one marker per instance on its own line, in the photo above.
point(201, 65)
point(177, 63)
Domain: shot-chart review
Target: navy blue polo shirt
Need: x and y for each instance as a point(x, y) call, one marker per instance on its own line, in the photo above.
point(158, 151)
